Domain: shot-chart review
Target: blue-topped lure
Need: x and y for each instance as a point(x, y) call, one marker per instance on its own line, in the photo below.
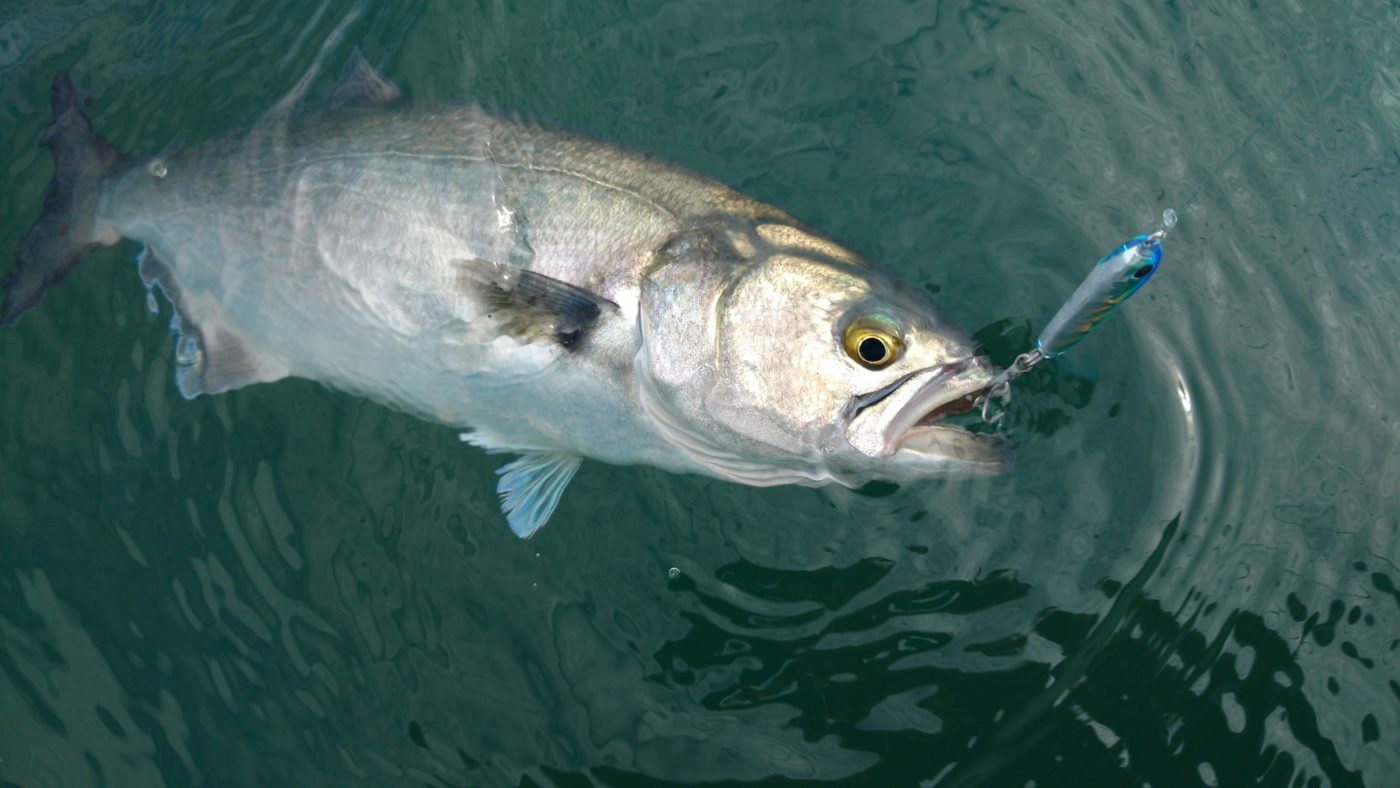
point(1117, 276)
point(1113, 280)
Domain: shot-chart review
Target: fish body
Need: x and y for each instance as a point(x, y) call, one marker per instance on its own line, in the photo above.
point(341, 248)
point(554, 297)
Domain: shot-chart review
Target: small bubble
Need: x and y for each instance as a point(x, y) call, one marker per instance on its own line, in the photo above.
point(1169, 218)
point(674, 572)
point(158, 169)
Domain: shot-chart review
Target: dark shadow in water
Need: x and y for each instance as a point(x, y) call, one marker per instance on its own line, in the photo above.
point(1140, 695)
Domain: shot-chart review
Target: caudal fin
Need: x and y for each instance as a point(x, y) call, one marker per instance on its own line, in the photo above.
point(64, 233)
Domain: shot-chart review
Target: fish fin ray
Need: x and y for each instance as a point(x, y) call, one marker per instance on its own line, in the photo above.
point(363, 86)
point(226, 362)
point(530, 488)
point(64, 232)
point(211, 357)
point(530, 305)
point(492, 443)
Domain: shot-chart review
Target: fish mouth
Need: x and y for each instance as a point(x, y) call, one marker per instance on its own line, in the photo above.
point(937, 393)
point(911, 428)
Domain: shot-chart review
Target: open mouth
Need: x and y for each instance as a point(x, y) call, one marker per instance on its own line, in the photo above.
point(953, 407)
point(939, 392)
point(914, 420)
point(926, 431)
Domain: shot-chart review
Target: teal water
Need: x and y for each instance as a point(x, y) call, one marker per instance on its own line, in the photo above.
point(1189, 578)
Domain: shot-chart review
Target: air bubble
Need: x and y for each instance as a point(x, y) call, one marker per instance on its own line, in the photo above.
point(158, 169)
point(1169, 218)
point(674, 572)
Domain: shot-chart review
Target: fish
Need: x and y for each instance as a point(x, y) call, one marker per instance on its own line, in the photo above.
point(552, 297)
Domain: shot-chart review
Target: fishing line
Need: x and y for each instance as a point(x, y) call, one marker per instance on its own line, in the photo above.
point(1229, 157)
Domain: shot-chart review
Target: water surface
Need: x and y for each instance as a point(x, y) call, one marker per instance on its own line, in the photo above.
point(1189, 577)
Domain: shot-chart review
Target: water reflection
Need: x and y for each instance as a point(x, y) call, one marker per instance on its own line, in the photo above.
point(1189, 578)
point(1189, 695)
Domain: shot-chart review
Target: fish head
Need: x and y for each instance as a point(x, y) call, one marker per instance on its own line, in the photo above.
point(799, 363)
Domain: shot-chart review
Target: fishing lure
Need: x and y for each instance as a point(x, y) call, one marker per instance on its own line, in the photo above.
point(1113, 280)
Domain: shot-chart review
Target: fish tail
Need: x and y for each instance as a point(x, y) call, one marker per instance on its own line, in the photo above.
point(64, 233)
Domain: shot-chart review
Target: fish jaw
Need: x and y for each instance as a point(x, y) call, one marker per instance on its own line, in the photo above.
point(950, 452)
point(901, 437)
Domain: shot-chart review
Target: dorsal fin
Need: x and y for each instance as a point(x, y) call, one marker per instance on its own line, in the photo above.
point(288, 103)
point(363, 86)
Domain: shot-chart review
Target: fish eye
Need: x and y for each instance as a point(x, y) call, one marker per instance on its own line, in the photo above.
point(1142, 272)
point(873, 350)
point(871, 346)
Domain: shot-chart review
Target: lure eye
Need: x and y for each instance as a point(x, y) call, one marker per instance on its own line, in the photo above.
point(871, 346)
point(1142, 272)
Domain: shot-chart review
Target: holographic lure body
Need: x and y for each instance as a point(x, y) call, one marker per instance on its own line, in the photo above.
point(1116, 277)
point(1113, 280)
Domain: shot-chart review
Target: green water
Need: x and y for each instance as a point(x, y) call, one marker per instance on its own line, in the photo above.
point(1190, 576)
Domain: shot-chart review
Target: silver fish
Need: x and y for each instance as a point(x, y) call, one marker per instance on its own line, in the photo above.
point(557, 298)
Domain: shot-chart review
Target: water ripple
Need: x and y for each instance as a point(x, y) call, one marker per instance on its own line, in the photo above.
point(1189, 578)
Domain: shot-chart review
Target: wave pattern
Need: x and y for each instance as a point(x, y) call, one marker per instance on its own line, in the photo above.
point(1189, 578)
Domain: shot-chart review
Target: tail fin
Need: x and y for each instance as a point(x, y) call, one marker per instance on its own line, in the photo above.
point(64, 233)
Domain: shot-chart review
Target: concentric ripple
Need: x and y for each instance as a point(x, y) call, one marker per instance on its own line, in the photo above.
point(1189, 577)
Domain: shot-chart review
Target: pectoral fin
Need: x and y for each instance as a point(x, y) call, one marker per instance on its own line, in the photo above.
point(530, 488)
point(532, 306)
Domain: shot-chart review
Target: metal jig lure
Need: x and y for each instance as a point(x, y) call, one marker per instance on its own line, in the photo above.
point(1114, 279)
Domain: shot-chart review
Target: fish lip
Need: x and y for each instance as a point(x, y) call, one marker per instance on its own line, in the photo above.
point(903, 433)
point(937, 389)
point(955, 452)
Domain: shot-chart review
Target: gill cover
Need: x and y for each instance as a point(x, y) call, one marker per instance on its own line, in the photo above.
point(682, 370)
